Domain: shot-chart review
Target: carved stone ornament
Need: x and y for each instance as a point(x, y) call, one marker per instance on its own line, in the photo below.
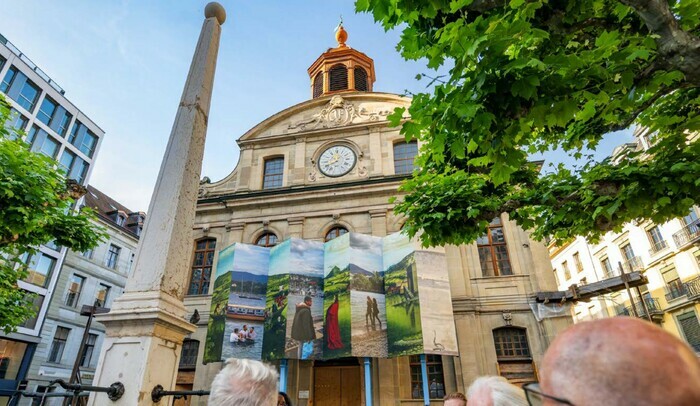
point(338, 112)
point(508, 318)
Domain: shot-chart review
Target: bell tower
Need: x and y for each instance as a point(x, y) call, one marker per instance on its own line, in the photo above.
point(341, 69)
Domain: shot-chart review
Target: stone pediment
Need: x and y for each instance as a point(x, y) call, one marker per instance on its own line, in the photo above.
point(338, 111)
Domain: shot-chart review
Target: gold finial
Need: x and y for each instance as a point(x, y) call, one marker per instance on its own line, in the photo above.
point(340, 34)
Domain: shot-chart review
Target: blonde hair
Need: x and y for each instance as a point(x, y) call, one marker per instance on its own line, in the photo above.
point(503, 393)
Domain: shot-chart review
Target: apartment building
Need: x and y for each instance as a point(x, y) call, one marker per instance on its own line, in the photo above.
point(56, 127)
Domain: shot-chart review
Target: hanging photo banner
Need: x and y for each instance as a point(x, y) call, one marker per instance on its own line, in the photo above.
point(238, 304)
point(356, 295)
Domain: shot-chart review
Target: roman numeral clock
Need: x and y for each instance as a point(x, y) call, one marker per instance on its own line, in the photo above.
point(337, 161)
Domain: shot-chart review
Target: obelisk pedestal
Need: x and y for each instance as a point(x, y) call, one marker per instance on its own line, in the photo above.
point(146, 326)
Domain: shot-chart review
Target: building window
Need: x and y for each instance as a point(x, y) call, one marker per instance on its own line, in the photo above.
point(567, 272)
point(513, 354)
point(65, 122)
point(87, 146)
point(201, 266)
point(318, 84)
point(37, 302)
point(691, 218)
point(691, 329)
point(493, 251)
point(267, 240)
point(656, 240)
point(87, 254)
point(627, 251)
point(608, 270)
point(404, 157)
point(112, 256)
point(58, 344)
point(102, 295)
point(75, 287)
point(28, 95)
point(74, 131)
point(120, 220)
point(335, 232)
point(274, 169)
point(40, 268)
point(436, 378)
point(88, 350)
point(11, 355)
point(339, 78)
point(17, 121)
point(9, 78)
point(360, 79)
point(47, 110)
point(42, 142)
point(674, 286)
point(577, 262)
point(188, 358)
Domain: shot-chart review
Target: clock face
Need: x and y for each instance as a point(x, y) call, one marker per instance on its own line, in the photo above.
point(336, 161)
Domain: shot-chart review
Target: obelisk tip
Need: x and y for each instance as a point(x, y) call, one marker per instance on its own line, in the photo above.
point(215, 9)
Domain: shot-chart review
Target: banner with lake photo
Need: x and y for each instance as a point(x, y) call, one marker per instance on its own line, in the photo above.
point(356, 295)
point(238, 304)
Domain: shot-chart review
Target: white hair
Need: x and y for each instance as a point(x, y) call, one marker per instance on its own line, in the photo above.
point(244, 382)
point(503, 393)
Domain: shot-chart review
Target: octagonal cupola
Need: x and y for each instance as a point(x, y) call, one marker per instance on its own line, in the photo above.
point(341, 69)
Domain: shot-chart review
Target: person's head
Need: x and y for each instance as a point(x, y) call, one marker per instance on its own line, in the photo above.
point(235, 330)
point(374, 300)
point(283, 399)
point(495, 391)
point(245, 327)
point(252, 328)
point(455, 399)
point(620, 361)
point(244, 382)
point(307, 300)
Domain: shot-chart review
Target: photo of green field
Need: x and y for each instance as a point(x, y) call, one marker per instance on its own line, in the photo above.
point(276, 321)
point(403, 312)
point(217, 319)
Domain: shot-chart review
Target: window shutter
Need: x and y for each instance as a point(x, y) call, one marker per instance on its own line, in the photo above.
point(339, 78)
point(318, 85)
point(360, 79)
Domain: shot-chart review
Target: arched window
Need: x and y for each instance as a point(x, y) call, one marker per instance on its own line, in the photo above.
point(339, 78)
point(318, 84)
point(513, 354)
point(360, 79)
point(405, 156)
point(201, 266)
point(188, 357)
point(335, 232)
point(493, 251)
point(274, 173)
point(267, 240)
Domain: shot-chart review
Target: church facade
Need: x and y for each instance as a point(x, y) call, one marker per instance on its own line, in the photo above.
point(328, 166)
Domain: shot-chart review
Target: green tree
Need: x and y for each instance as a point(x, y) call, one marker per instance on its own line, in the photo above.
point(35, 209)
point(528, 76)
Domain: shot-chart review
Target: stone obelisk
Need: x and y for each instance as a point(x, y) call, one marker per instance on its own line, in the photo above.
point(147, 325)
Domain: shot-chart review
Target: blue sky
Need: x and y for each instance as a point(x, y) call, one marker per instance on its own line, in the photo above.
point(124, 63)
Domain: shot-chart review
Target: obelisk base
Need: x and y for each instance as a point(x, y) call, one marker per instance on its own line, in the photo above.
point(142, 327)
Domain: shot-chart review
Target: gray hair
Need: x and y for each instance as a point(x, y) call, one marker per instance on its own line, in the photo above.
point(503, 393)
point(244, 382)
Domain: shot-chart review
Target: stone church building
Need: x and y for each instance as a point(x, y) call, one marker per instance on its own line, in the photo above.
point(327, 166)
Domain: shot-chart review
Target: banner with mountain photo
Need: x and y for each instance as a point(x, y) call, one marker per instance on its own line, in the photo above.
point(356, 295)
point(418, 300)
point(238, 304)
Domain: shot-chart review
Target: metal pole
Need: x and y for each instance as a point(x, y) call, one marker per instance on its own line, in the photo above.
point(644, 303)
point(283, 375)
point(424, 374)
point(623, 275)
point(76, 364)
point(368, 381)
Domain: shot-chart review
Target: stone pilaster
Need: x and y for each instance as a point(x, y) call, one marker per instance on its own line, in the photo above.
point(378, 222)
point(296, 227)
point(146, 325)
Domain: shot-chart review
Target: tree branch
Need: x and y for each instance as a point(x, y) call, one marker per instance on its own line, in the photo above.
point(678, 49)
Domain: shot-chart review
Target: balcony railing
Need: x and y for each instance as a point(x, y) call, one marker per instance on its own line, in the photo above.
point(658, 246)
point(688, 234)
point(633, 264)
point(610, 273)
point(652, 304)
point(675, 289)
point(692, 288)
point(31, 64)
